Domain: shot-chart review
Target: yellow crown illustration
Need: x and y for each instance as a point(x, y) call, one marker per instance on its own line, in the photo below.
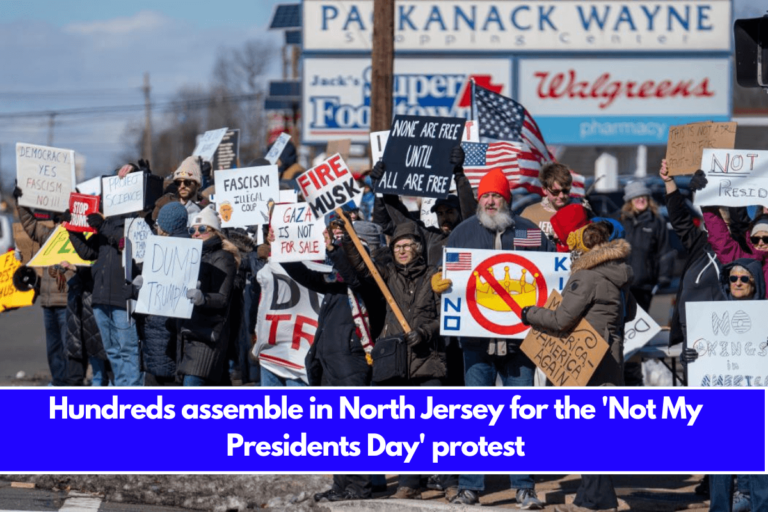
point(521, 291)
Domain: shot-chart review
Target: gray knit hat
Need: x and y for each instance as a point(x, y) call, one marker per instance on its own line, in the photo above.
point(370, 233)
point(172, 218)
point(635, 189)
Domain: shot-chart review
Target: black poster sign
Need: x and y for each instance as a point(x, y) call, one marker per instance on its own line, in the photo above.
point(227, 153)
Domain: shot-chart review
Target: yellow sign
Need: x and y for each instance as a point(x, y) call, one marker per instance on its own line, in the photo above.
point(10, 297)
point(56, 249)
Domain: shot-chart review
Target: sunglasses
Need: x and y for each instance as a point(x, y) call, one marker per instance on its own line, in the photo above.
point(564, 191)
point(743, 279)
point(756, 239)
point(198, 229)
point(186, 183)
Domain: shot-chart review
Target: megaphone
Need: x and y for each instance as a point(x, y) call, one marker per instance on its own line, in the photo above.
point(25, 278)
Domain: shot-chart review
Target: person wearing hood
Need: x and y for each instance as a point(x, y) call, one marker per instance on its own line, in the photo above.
point(202, 351)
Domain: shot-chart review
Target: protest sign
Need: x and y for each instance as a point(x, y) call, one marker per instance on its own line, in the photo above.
point(242, 195)
point(328, 186)
point(567, 359)
point(378, 144)
point(171, 267)
point(80, 207)
point(686, 142)
point(277, 148)
point(137, 231)
point(56, 249)
point(426, 215)
point(638, 332)
point(123, 195)
point(730, 339)
point(298, 234)
point(417, 156)
point(45, 175)
point(228, 151)
point(340, 146)
point(288, 196)
point(24, 243)
point(10, 297)
point(90, 187)
point(208, 142)
point(735, 177)
point(490, 289)
point(287, 321)
point(471, 132)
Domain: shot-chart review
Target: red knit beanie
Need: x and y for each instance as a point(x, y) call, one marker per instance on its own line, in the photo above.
point(495, 181)
point(568, 219)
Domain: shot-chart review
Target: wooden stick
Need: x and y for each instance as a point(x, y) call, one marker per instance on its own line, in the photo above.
point(375, 273)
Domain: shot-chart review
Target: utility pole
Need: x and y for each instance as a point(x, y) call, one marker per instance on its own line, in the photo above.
point(51, 120)
point(382, 63)
point(147, 120)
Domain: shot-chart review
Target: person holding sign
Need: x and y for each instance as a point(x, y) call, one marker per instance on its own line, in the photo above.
point(205, 336)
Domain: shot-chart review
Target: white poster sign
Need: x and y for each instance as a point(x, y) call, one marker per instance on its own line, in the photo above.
point(471, 132)
point(490, 288)
point(208, 143)
point(277, 148)
point(243, 195)
point(735, 177)
point(328, 186)
point(378, 144)
point(298, 234)
point(45, 175)
point(427, 217)
point(171, 267)
point(138, 232)
point(90, 187)
point(730, 338)
point(122, 195)
point(638, 332)
point(286, 324)
point(288, 196)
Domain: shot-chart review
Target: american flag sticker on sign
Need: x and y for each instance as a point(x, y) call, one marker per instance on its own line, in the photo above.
point(458, 261)
point(527, 238)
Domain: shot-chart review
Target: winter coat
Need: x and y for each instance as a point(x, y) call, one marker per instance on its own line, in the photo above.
point(51, 294)
point(82, 329)
point(700, 281)
point(652, 257)
point(411, 288)
point(754, 267)
point(728, 249)
point(470, 234)
point(205, 336)
point(172, 197)
point(597, 291)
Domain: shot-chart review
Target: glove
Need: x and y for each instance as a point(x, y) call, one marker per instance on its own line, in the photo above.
point(66, 216)
point(121, 244)
point(688, 355)
point(138, 282)
point(144, 166)
point(439, 285)
point(205, 167)
point(196, 296)
point(457, 158)
point(17, 193)
point(698, 182)
point(414, 338)
point(378, 171)
point(263, 251)
point(17, 254)
point(95, 221)
point(524, 315)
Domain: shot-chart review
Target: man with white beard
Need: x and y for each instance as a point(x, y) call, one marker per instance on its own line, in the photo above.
point(494, 227)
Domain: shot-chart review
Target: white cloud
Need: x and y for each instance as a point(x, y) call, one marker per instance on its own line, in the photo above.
point(141, 21)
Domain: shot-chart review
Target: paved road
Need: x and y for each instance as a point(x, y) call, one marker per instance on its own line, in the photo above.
point(22, 346)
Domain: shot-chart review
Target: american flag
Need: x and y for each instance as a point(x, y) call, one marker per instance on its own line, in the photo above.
point(503, 119)
point(482, 157)
point(527, 238)
point(456, 261)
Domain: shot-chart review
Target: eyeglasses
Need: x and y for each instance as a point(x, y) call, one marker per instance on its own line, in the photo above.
point(403, 247)
point(757, 239)
point(186, 183)
point(564, 191)
point(198, 229)
point(743, 279)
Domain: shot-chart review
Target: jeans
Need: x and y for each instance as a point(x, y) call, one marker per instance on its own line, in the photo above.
point(101, 376)
point(55, 320)
point(481, 369)
point(269, 379)
point(194, 380)
point(721, 492)
point(121, 343)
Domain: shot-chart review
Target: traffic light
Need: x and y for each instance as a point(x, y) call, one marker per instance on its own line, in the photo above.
point(751, 37)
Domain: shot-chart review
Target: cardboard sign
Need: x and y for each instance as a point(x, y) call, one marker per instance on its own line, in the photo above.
point(208, 142)
point(638, 332)
point(378, 144)
point(730, 338)
point(286, 323)
point(417, 156)
point(567, 359)
point(686, 142)
point(228, 151)
point(340, 146)
point(277, 148)
point(490, 289)
point(328, 186)
point(81, 206)
point(10, 297)
point(90, 187)
point(471, 132)
point(298, 234)
point(137, 231)
point(242, 195)
point(123, 195)
point(735, 177)
point(45, 175)
point(56, 249)
point(171, 267)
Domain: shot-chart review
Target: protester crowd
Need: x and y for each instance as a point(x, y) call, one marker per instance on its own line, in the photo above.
point(617, 263)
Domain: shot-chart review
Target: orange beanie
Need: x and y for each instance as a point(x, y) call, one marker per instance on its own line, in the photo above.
point(495, 181)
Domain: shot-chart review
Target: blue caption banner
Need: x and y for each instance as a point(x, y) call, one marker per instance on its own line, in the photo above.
point(374, 430)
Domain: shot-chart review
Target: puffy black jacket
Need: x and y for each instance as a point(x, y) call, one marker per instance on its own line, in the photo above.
point(82, 329)
point(652, 257)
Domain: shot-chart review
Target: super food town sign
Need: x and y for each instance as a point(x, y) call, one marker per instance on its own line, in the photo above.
point(517, 26)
